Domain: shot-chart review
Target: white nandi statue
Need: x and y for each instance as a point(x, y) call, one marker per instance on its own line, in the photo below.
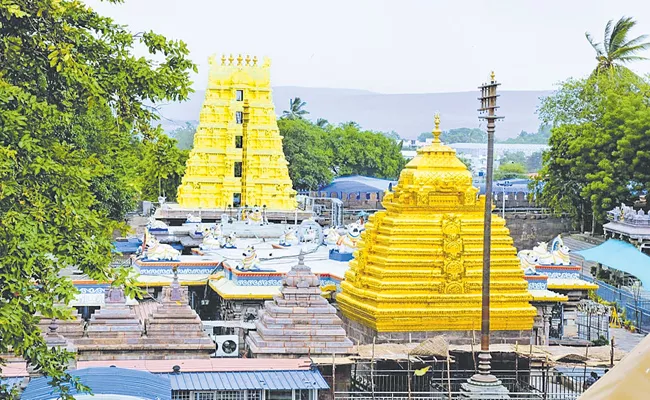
point(348, 243)
point(250, 260)
point(288, 237)
point(309, 234)
point(558, 254)
point(225, 218)
point(154, 224)
point(212, 239)
point(331, 237)
point(191, 219)
point(156, 251)
point(229, 241)
point(254, 217)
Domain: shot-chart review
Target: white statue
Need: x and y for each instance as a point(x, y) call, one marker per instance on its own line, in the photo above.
point(348, 243)
point(191, 219)
point(288, 237)
point(225, 218)
point(229, 241)
point(250, 260)
point(255, 217)
point(153, 223)
point(309, 234)
point(331, 237)
point(558, 254)
point(156, 251)
point(212, 239)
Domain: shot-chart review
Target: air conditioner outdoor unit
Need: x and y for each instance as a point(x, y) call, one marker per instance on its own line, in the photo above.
point(227, 345)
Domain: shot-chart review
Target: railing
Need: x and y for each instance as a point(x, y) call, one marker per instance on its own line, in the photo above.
point(528, 384)
point(446, 395)
point(637, 308)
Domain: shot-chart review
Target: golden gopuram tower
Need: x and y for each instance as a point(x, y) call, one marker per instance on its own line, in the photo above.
point(419, 263)
point(237, 157)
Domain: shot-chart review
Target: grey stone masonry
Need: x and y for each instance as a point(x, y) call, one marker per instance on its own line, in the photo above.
point(299, 320)
point(172, 331)
point(176, 324)
point(115, 320)
point(68, 328)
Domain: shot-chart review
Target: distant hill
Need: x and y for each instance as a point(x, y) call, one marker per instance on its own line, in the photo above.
point(407, 114)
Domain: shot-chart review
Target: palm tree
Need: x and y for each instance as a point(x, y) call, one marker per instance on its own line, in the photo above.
point(322, 122)
point(616, 50)
point(295, 109)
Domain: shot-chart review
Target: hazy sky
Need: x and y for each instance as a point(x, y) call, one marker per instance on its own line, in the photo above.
point(398, 46)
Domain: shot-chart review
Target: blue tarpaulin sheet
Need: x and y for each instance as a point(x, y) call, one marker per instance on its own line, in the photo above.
point(621, 256)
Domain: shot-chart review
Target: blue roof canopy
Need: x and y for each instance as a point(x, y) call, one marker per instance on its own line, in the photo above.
point(107, 380)
point(621, 256)
point(358, 184)
point(251, 380)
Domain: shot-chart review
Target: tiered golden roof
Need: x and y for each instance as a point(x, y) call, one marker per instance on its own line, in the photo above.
point(419, 265)
point(237, 155)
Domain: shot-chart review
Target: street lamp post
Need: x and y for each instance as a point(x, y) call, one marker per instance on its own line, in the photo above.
point(503, 196)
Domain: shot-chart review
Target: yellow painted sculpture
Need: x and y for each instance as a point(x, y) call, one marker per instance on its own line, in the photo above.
point(419, 263)
point(237, 157)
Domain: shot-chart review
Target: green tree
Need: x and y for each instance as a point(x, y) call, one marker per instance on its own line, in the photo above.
point(162, 167)
point(72, 99)
point(616, 50)
point(517, 157)
point(296, 109)
point(458, 135)
point(540, 137)
point(534, 161)
point(184, 135)
point(392, 135)
point(599, 154)
point(322, 123)
point(308, 153)
point(510, 171)
point(364, 152)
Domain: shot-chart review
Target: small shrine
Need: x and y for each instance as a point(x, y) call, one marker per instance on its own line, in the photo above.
point(299, 320)
point(174, 325)
point(549, 270)
point(419, 263)
point(237, 158)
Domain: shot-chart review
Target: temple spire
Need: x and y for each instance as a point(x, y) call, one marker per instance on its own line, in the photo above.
point(436, 131)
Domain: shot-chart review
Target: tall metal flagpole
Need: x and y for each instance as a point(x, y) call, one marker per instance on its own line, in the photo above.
point(484, 385)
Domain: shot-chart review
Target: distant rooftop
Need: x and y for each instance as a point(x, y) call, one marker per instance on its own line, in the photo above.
point(358, 184)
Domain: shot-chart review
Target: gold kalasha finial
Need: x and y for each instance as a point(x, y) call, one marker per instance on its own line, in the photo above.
point(248, 59)
point(230, 59)
point(436, 130)
point(223, 59)
point(492, 78)
point(254, 61)
point(239, 58)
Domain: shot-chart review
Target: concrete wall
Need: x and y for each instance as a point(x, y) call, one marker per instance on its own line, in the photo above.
point(527, 229)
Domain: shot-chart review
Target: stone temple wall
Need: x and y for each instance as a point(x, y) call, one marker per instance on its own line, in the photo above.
point(360, 334)
point(527, 229)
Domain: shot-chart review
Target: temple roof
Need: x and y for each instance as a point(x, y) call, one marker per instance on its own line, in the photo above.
point(419, 263)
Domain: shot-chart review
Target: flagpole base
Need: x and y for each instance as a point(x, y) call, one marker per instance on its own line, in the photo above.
point(484, 385)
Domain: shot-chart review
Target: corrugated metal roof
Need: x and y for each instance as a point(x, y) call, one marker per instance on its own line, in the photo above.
point(206, 365)
point(271, 380)
point(10, 382)
point(117, 381)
